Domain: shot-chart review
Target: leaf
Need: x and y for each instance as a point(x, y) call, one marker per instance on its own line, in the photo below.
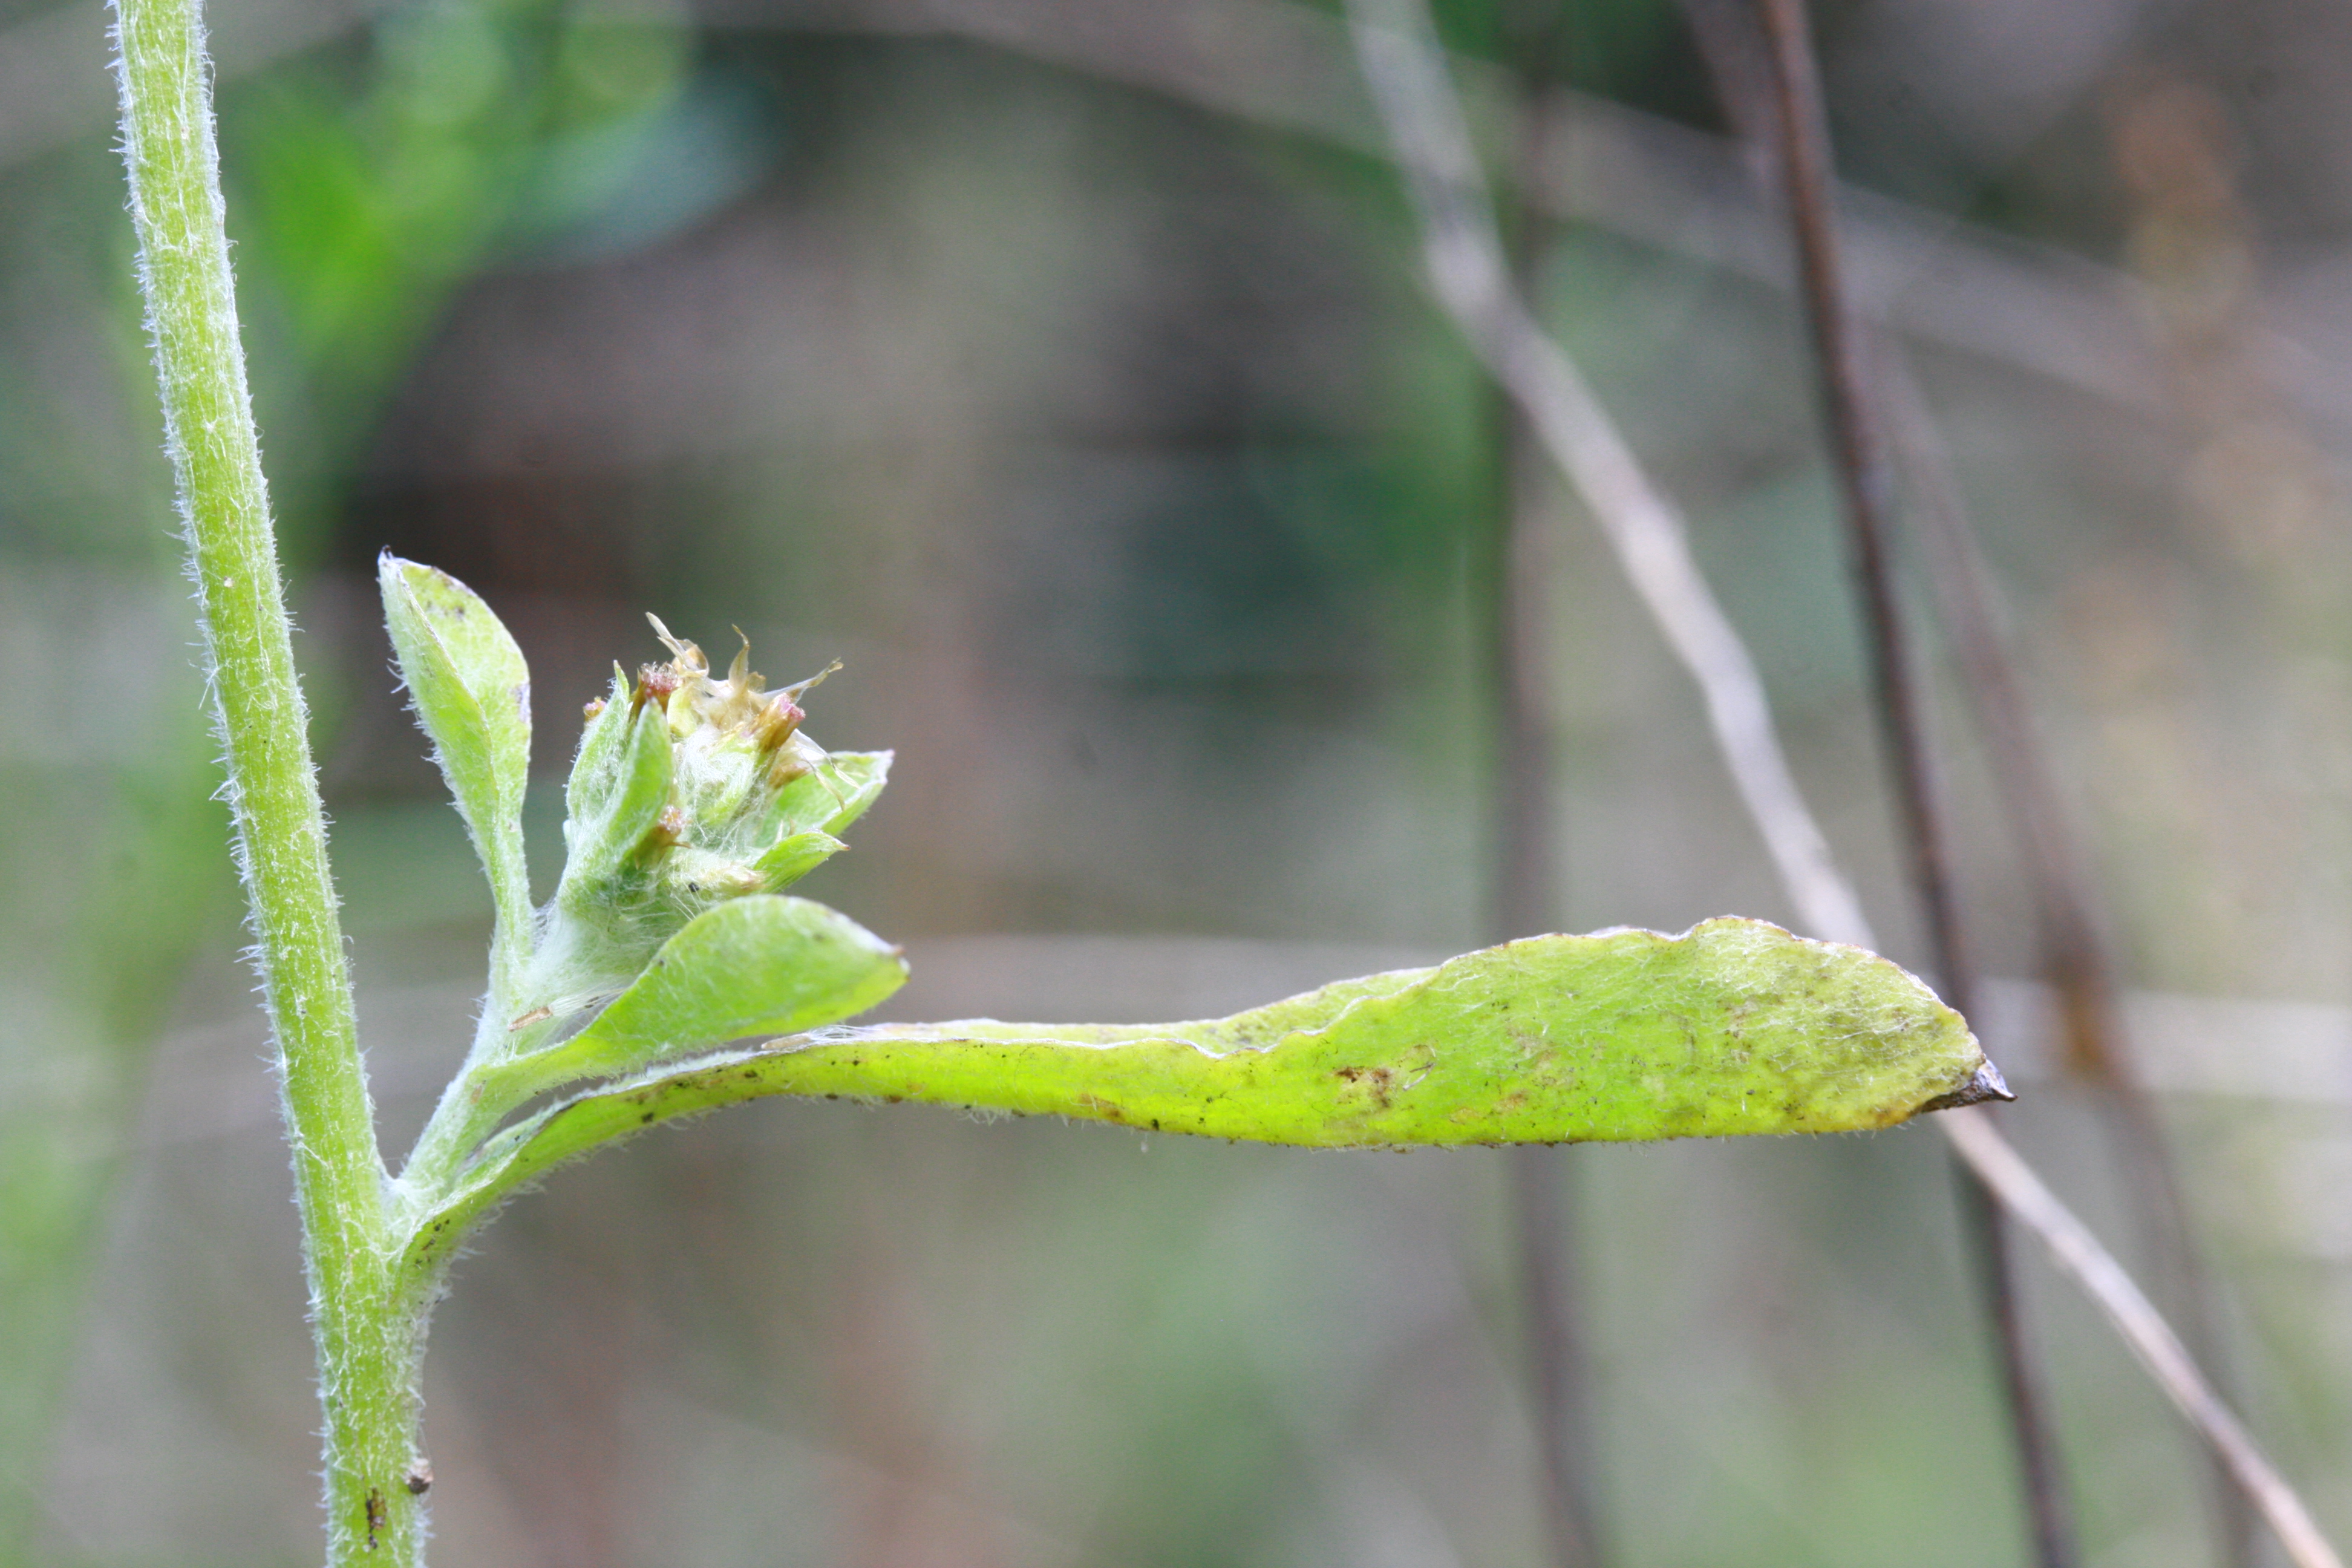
point(829, 799)
point(471, 692)
point(757, 965)
point(1735, 1026)
point(620, 783)
point(790, 859)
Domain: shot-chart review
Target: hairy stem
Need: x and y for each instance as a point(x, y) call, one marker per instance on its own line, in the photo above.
point(366, 1344)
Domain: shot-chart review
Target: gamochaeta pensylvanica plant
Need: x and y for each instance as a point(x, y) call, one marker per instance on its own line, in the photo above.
point(694, 801)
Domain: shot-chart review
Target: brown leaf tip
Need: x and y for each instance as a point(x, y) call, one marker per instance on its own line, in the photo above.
point(1986, 1083)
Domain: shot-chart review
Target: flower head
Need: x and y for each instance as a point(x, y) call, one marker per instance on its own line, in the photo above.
point(690, 789)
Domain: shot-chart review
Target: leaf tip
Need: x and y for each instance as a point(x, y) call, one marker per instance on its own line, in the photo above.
point(1985, 1084)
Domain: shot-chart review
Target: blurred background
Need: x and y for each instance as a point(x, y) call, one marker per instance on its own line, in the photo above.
point(1063, 366)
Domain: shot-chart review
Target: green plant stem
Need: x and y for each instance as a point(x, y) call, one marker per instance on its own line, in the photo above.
point(367, 1342)
point(464, 1115)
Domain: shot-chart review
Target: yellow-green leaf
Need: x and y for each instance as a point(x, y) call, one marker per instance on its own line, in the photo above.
point(763, 964)
point(1736, 1026)
point(471, 691)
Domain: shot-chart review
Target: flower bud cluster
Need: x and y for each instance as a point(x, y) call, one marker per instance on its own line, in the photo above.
point(690, 789)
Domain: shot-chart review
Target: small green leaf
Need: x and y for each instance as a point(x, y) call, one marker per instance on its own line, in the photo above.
point(757, 965)
point(1735, 1026)
point(619, 785)
point(471, 692)
point(831, 797)
point(607, 917)
point(790, 859)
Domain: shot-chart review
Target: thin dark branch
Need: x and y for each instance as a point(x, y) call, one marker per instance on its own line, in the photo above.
point(1558, 1395)
point(1399, 57)
point(2048, 1511)
point(1518, 571)
point(1867, 484)
point(1865, 479)
point(2024, 1198)
point(1473, 282)
point(2075, 956)
point(1525, 865)
point(2073, 951)
point(1519, 575)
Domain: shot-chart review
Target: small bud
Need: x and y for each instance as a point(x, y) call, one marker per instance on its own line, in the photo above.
point(777, 722)
point(716, 793)
point(656, 683)
point(594, 706)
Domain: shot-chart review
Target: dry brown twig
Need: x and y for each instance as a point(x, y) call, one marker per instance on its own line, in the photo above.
point(1865, 482)
point(2075, 953)
point(1397, 46)
point(1735, 37)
